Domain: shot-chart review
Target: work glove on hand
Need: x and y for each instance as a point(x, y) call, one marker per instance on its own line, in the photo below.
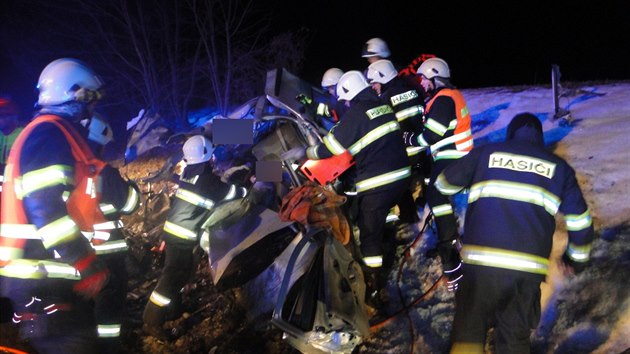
point(451, 263)
point(237, 175)
point(94, 276)
point(297, 153)
point(304, 99)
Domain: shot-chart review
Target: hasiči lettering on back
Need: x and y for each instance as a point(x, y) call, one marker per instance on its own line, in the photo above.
point(522, 163)
point(378, 111)
point(403, 97)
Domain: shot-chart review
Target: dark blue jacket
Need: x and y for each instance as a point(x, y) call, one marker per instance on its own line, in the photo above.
point(199, 192)
point(516, 188)
point(370, 132)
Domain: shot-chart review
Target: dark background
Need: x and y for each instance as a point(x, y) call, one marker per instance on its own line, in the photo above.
point(485, 43)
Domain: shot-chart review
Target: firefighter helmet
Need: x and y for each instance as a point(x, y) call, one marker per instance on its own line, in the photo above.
point(331, 77)
point(65, 80)
point(434, 67)
point(375, 47)
point(381, 71)
point(8, 108)
point(350, 84)
point(197, 149)
point(99, 130)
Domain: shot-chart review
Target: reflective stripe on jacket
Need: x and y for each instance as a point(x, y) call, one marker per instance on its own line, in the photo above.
point(516, 190)
point(21, 237)
point(448, 138)
point(370, 132)
point(119, 197)
point(198, 194)
point(408, 107)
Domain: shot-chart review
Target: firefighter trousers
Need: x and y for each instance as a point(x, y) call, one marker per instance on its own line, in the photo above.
point(507, 300)
point(109, 304)
point(165, 301)
point(373, 207)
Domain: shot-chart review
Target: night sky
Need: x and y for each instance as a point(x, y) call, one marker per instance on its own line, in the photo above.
point(485, 43)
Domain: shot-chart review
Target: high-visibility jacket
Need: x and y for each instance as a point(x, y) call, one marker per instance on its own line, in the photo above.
point(118, 197)
point(328, 110)
point(6, 141)
point(447, 125)
point(370, 132)
point(408, 107)
point(199, 192)
point(39, 231)
point(516, 189)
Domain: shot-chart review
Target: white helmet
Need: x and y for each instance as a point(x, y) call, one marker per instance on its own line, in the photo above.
point(331, 77)
point(434, 67)
point(374, 47)
point(66, 80)
point(350, 84)
point(381, 71)
point(99, 131)
point(197, 149)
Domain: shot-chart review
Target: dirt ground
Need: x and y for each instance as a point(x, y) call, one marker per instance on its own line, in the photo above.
point(221, 321)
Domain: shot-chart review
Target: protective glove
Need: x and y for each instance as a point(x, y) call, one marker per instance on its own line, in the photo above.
point(237, 175)
point(297, 153)
point(451, 263)
point(304, 99)
point(94, 276)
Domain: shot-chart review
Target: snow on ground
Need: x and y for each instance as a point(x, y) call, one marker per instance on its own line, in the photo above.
point(583, 314)
point(594, 143)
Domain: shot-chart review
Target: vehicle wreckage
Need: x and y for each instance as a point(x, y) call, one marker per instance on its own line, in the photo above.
point(318, 301)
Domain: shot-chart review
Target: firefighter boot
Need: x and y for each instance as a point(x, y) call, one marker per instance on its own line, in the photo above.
point(375, 295)
point(154, 318)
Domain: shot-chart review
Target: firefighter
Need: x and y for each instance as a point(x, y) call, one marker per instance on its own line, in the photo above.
point(516, 189)
point(119, 197)
point(409, 74)
point(448, 137)
point(331, 109)
point(376, 49)
point(9, 130)
point(49, 270)
point(408, 108)
point(198, 193)
point(404, 99)
point(330, 79)
point(325, 107)
point(370, 132)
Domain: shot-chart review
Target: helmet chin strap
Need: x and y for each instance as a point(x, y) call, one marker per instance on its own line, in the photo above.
point(73, 110)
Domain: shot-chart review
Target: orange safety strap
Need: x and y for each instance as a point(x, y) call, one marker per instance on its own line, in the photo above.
point(82, 206)
point(463, 121)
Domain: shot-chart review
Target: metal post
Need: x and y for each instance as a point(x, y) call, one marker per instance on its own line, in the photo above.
point(559, 113)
